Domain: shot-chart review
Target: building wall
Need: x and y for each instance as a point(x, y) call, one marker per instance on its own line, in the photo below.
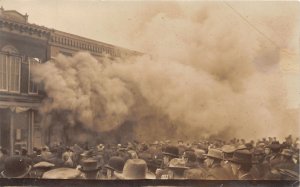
point(20, 123)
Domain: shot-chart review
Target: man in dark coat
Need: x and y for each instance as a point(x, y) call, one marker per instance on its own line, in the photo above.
point(275, 153)
point(213, 163)
point(286, 169)
point(241, 164)
point(259, 166)
point(169, 153)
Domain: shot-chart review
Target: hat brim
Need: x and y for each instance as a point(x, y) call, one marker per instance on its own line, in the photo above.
point(210, 156)
point(169, 154)
point(20, 176)
point(286, 154)
point(122, 177)
point(277, 146)
point(240, 161)
point(109, 167)
point(178, 167)
point(89, 170)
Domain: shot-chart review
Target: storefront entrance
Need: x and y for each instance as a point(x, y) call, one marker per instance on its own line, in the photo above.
point(16, 130)
point(5, 129)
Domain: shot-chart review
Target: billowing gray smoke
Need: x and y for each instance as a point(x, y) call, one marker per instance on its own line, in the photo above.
point(199, 77)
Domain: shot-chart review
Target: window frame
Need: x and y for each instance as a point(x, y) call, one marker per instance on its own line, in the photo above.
point(29, 78)
point(20, 64)
point(6, 73)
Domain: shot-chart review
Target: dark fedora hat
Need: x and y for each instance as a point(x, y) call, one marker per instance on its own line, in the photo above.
point(171, 151)
point(89, 165)
point(275, 145)
point(243, 156)
point(287, 152)
point(116, 163)
point(15, 167)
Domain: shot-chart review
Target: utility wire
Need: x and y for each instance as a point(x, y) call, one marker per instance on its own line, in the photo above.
point(250, 24)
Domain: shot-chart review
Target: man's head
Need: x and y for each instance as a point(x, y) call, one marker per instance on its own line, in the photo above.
point(241, 161)
point(169, 153)
point(214, 156)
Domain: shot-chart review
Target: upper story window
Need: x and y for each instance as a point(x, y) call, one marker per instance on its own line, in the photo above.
point(10, 69)
point(32, 86)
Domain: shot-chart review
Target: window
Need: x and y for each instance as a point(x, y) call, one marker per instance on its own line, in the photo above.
point(10, 69)
point(14, 64)
point(32, 86)
point(3, 73)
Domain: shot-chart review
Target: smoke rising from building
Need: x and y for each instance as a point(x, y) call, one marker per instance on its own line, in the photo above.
point(200, 77)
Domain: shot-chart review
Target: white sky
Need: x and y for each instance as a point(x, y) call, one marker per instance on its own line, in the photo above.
point(114, 21)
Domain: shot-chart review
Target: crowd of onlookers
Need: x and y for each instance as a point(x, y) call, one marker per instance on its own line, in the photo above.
point(236, 159)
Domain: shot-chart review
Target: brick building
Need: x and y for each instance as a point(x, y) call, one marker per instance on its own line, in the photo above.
point(22, 45)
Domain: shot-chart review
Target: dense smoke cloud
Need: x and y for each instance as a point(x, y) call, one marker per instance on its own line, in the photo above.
point(200, 77)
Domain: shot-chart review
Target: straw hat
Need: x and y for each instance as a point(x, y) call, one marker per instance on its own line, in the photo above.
point(135, 169)
point(62, 173)
point(177, 163)
point(215, 153)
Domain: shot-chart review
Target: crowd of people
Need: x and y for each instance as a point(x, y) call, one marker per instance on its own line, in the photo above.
point(236, 159)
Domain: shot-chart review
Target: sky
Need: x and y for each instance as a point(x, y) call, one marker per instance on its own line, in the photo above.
point(118, 22)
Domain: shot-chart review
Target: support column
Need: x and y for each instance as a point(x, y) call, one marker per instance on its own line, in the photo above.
point(11, 130)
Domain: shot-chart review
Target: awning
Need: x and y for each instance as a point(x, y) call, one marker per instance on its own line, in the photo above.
point(18, 106)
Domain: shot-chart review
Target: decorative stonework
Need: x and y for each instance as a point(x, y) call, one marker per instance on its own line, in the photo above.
point(13, 22)
point(13, 15)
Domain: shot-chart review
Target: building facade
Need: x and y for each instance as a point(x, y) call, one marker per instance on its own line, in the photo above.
point(23, 45)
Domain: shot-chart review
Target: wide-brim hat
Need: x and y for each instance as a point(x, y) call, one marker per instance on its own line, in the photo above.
point(89, 165)
point(135, 169)
point(9, 175)
point(171, 151)
point(15, 167)
point(241, 157)
point(149, 175)
point(62, 173)
point(228, 148)
point(274, 145)
point(43, 164)
point(287, 152)
point(116, 163)
point(177, 163)
point(214, 153)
